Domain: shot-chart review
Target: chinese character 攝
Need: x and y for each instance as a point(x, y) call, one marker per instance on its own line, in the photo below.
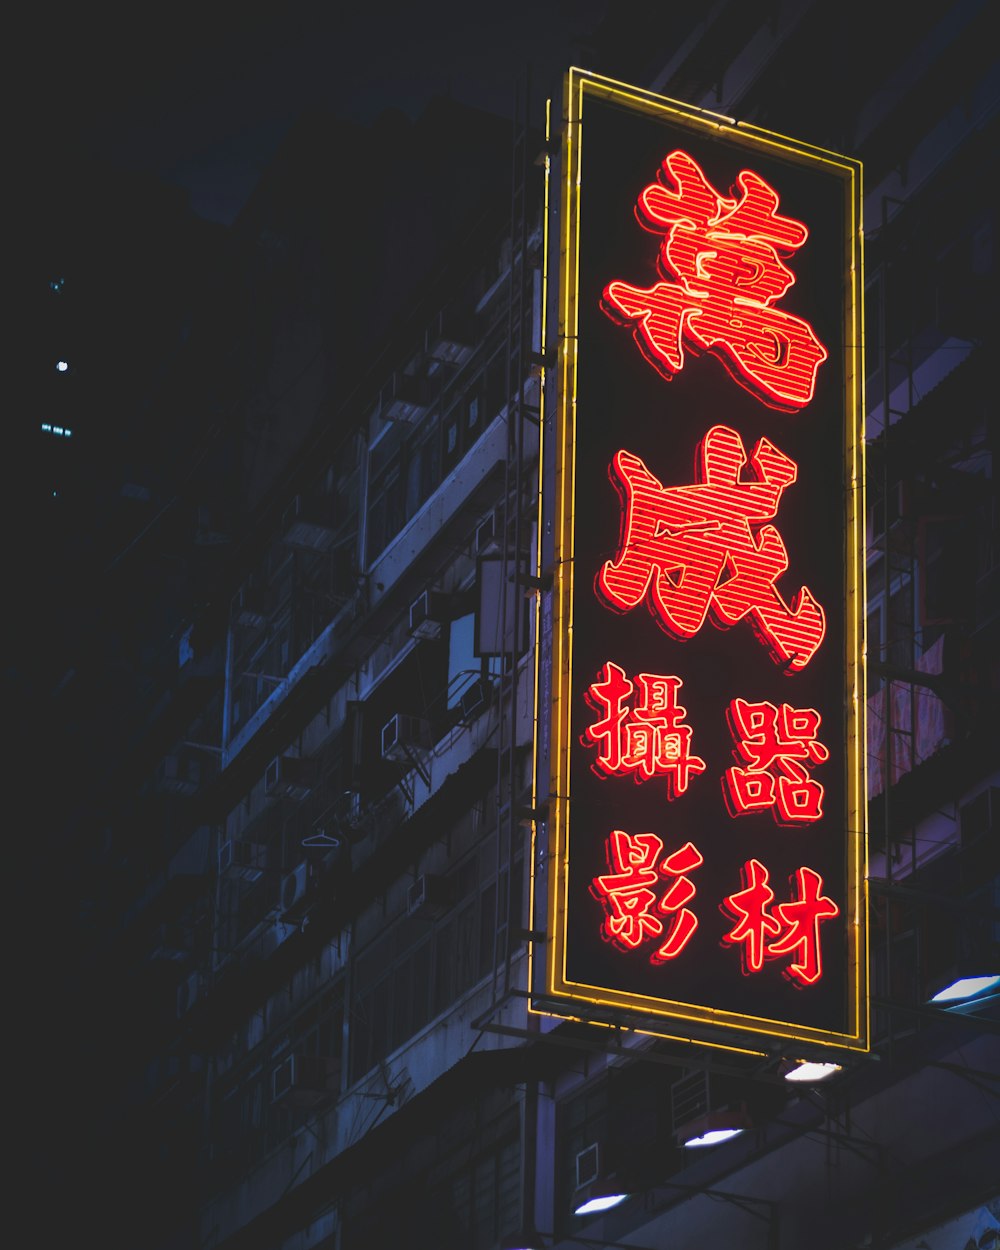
point(646, 739)
point(707, 550)
point(721, 264)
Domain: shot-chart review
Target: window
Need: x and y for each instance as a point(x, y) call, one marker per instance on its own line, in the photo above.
point(465, 668)
point(485, 1197)
point(420, 967)
point(473, 417)
point(582, 1123)
point(403, 473)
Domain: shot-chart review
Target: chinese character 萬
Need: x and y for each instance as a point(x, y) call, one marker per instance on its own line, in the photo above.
point(723, 274)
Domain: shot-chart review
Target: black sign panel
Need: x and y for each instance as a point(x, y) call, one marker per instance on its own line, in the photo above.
point(707, 840)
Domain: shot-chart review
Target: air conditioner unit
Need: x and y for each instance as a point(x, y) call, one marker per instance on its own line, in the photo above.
point(428, 614)
point(385, 816)
point(901, 508)
point(406, 398)
point(308, 525)
point(689, 1098)
point(428, 895)
point(172, 943)
point(474, 700)
point(486, 533)
point(588, 1162)
point(179, 773)
point(242, 859)
point(403, 734)
point(289, 776)
point(453, 336)
point(979, 836)
point(304, 1080)
point(348, 811)
point(987, 601)
point(252, 607)
point(293, 887)
point(275, 935)
point(188, 993)
point(698, 1110)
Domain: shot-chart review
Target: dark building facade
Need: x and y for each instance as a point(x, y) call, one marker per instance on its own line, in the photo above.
point(286, 993)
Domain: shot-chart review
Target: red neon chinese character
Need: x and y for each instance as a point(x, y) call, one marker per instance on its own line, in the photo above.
point(720, 258)
point(793, 926)
point(628, 898)
point(707, 550)
point(625, 892)
point(754, 924)
point(647, 740)
point(801, 919)
point(778, 744)
point(681, 892)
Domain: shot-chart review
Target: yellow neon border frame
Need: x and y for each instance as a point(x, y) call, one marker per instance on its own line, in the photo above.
point(580, 84)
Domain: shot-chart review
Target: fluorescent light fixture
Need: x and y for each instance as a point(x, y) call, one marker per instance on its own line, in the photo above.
point(713, 1137)
point(965, 988)
point(809, 1072)
point(604, 1202)
point(713, 1127)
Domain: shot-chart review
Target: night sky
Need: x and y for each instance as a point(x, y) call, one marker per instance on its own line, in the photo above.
point(199, 97)
point(202, 98)
point(199, 100)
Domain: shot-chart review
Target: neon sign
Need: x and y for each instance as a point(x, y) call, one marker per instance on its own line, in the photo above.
point(703, 865)
point(627, 894)
point(790, 928)
point(721, 258)
point(647, 739)
point(709, 550)
point(778, 745)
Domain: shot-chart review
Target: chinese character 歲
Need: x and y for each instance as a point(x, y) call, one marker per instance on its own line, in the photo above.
point(708, 550)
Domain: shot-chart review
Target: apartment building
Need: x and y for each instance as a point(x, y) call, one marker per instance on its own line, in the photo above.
point(308, 984)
